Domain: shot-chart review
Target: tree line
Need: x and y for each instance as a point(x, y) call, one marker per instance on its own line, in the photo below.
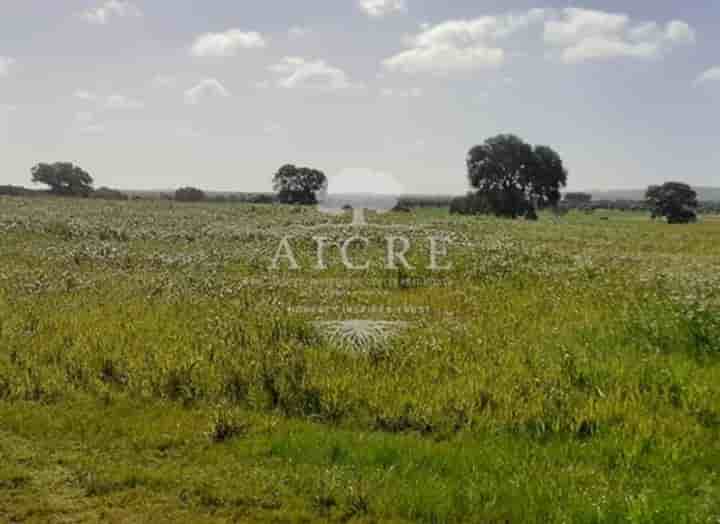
point(507, 177)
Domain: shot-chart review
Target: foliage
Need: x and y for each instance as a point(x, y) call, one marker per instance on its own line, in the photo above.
point(474, 203)
point(15, 191)
point(189, 194)
point(673, 200)
point(547, 175)
point(578, 198)
point(63, 178)
point(105, 193)
point(298, 185)
point(514, 176)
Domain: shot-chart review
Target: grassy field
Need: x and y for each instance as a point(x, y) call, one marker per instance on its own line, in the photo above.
point(154, 368)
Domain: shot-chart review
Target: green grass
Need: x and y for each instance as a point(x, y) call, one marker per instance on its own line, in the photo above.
point(153, 368)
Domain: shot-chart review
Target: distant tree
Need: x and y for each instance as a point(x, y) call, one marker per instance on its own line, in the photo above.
point(189, 194)
point(514, 177)
point(63, 178)
point(473, 203)
point(15, 191)
point(578, 199)
point(298, 185)
point(675, 201)
point(105, 193)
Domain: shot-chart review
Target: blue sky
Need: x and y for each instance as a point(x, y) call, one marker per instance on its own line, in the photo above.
point(219, 94)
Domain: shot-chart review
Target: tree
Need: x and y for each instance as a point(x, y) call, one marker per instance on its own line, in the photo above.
point(63, 178)
point(514, 177)
point(547, 176)
point(675, 201)
point(298, 185)
point(473, 203)
point(578, 199)
point(105, 193)
point(189, 194)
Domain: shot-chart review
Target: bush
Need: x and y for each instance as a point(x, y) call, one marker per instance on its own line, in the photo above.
point(105, 193)
point(189, 194)
point(682, 216)
point(470, 204)
point(15, 191)
point(227, 423)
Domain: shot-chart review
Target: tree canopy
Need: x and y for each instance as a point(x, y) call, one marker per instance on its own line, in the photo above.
point(675, 201)
point(578, 198)
point(298, 185)
point(514, 177)
point(63, 178)
point(189, 194)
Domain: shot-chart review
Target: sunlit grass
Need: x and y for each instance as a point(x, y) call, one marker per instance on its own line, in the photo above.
point(153, 367)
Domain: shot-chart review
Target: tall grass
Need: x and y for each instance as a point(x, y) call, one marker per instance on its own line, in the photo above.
point(554, 375)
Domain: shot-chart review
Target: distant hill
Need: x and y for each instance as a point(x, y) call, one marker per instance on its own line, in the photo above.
point(705, 194)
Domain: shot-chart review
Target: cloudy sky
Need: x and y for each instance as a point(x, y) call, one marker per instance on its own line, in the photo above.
point(220, 93)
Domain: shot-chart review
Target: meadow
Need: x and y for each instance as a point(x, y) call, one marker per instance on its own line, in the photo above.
point(153, 367)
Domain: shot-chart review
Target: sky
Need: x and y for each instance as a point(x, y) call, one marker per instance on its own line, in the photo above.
point(158, 94)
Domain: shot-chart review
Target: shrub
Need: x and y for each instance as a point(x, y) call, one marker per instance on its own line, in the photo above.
point(105, 193)
point(189, 194)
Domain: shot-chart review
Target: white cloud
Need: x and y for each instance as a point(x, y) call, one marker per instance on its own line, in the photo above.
point(110, 102)
point(299, 32)
point(413, 92)
point(84, 117)
point(380, 8)
point(579, 34)
point(227, 43)
point(584, 35)
point(461, 45)
point(680, 32)
point(111, 9)
point(86, 124)
point(122, 102)
point(711, 75)
point(5, 64)
point(92, 129)
point(298, 73)
point(164, 82)
point(207, 88)
point(82, 94)
point(577, 25)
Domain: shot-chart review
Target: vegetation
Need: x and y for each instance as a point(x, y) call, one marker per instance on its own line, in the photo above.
point(578, 198)
point(15, 191)
point(675, 201)
point(63, 178)
point(513, 178)
point(153, 367)
point(298, 185)
point(471, 204)
point(189, 194)
point(105, 193)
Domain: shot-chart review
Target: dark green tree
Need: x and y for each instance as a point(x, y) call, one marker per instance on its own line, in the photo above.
point(547, 175)
point(298, 185)
point(514, 177)
point(675, 201)
point(189, 194)
point(577, 199)
point(63, 178)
